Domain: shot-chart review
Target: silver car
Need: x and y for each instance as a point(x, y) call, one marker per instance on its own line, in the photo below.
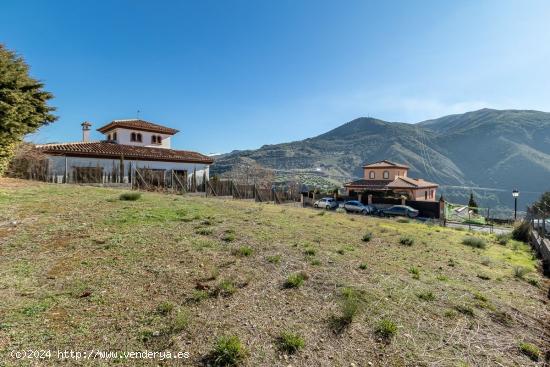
point(355, 206)
point(327, 203)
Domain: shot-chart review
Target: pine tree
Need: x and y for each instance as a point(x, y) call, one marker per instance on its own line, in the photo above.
point(23, 104)
point(472, 203)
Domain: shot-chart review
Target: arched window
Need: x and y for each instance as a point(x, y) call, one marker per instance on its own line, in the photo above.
point(114, 136)
point(372, 174)
point(386, 175)
point(153, 139)
point(138, 137)
point(109, 137)
point(133, 137)
point(425, 195)
point(159, 139)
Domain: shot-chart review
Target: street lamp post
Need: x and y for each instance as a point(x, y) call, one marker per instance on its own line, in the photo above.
point(515, 194)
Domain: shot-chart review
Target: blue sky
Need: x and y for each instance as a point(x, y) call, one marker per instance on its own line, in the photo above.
point(241, 74)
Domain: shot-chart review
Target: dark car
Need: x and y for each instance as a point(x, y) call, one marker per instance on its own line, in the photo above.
point(399, 210)
point(354, 206)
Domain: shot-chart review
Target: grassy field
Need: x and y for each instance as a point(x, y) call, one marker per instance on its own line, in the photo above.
point(257, 284)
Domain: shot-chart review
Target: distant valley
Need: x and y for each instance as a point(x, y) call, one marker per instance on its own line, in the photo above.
point(493, 151)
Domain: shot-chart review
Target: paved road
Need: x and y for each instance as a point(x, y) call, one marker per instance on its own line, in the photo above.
point(495, 229)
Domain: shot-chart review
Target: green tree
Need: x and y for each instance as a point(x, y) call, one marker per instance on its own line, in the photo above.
point(472, 202)
point(23, 104)
point(542, 206)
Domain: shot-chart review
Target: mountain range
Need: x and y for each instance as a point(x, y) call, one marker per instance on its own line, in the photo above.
point(489, 152)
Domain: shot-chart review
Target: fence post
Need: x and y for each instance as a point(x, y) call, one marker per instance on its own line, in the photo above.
point(369, 199)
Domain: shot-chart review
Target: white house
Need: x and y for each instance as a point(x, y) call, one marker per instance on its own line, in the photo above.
point(133, 150)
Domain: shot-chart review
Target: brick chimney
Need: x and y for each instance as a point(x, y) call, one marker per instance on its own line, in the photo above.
point(85, 131)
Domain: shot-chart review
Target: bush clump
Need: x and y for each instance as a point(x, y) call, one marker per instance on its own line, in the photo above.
point(129, 196)
point(502, 238)
point(386, 328)
point(290, 342)
point(530, 351)
point(475, 242)
point(295, 280)
point(426, 296)
point(522, 232)
point(519, 271)
point(243, 251)
point(406, 241)
point(228, 351)
point(367, 237)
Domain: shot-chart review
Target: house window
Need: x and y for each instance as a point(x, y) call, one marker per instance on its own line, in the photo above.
point(386, 175)
point(138, 137)
point(108, 136)
point(425, 195)
point(372, 174)
point(159, 139)
point(114, 136)
point(153, 139)
point(133, 137)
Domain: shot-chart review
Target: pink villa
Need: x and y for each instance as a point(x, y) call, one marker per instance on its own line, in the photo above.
point(389, 176)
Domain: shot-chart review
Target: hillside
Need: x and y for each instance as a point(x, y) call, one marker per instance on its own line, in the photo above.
point(491, 149)
point(83, 270)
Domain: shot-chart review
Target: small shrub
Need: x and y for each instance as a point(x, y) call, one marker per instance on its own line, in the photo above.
point(533, 282)
point(229, 236)
point(225, 288)
point(480, 297)
point(290, 342)
point(483, 276)
point(180, 321)
point(165, 308)
point(450, 313)
point(415, 272)
point(243, 251)
point(129, 196)
point(465, 310)
point(406, 241)
point(228, 351)
point(199, 295)
point(519, 271)
point(485, 261)
point(502, 238)
point(321, 213)
point(403, 220)
point(363, 266)
point(315, 262)
point(275, 259)
point(475, 242)
point(204, 231)
point(530, 351)
point(426, 296)
point(522, 232)
point(341, 251)
point(295, 280)
point(367, 237)
point(442, 278)
point(451, 263)
point(310, 251)
point(386, 328)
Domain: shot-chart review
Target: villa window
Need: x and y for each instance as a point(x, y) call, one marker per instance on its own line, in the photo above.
point(386, 175)
point(153, 139)
point(114, 136)
point(425, 195)
point(133, 137)
point(138, 137)
point(159, 139)
point(372, 174)
point(108, 137)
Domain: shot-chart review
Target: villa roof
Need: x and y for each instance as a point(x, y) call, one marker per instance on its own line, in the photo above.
point(369, 184)
point(137, 124)
point(104, 149)
point(401, 182)
point(385, 164)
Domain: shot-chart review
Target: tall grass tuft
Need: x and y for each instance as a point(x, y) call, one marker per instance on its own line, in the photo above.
point(228, 351)
point(475, 242)
point(129, 196)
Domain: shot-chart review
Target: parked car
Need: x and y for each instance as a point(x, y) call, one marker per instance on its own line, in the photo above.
point(354, 206)
point(327, 203)
point(399, 210)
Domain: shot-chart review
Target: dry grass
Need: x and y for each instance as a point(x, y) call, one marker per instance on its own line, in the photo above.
point(81, 269)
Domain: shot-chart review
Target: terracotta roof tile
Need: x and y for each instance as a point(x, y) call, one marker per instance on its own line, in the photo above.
point(114, 150)
point(137, 125)
point(371, 184)
point(407, 182)
point(385, 164)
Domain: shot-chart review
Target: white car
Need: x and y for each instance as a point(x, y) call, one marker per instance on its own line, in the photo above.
point(327, 203)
